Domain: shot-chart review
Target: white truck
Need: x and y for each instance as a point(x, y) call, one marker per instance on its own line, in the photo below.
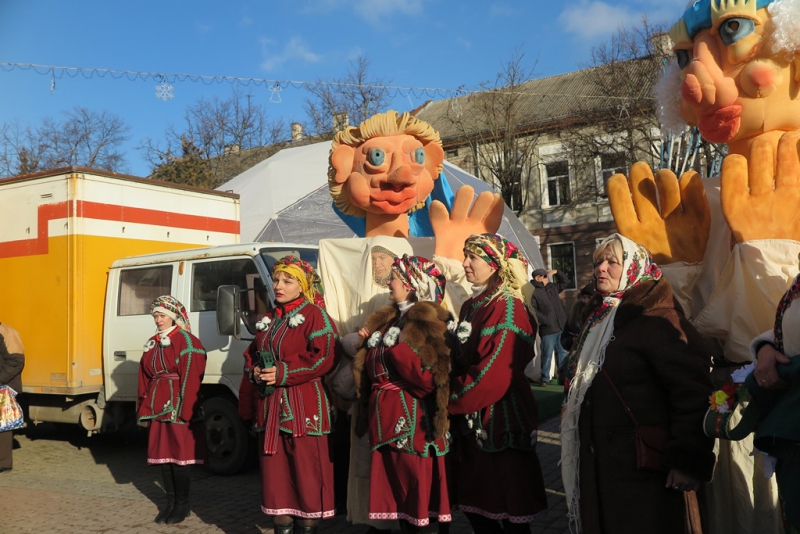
point(80, 299)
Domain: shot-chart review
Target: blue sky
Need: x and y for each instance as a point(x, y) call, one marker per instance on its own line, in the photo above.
point(410, 43)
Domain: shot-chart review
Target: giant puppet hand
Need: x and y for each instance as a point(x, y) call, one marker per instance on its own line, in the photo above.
point(760, 199)
point(673, 226)
point(452, 229)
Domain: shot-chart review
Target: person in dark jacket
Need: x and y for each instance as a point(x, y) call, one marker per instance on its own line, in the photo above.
point(12, 360)
point(551, 317)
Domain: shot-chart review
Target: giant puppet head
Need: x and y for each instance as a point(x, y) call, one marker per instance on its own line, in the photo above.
point(738, 63)
point(384, 169)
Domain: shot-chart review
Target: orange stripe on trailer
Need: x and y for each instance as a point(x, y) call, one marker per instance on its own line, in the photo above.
point(110, 212)
point(115, 212)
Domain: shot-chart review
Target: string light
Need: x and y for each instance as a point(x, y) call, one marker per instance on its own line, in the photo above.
point(164, 87)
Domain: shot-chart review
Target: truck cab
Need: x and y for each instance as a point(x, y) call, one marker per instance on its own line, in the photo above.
point(193, 277)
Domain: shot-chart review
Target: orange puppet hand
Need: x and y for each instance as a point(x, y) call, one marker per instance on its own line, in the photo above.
point(761, 200)
point(452, 229)
point(674, 225)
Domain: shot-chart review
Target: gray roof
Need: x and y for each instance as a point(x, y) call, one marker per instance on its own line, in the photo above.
point(544, 103)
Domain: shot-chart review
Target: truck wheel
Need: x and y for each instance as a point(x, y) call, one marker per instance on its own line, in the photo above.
point(226, 436)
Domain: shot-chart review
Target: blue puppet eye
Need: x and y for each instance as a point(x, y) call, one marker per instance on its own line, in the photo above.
point(419, 156)
point(376, 156)
point(735, 29)
point(683, 58)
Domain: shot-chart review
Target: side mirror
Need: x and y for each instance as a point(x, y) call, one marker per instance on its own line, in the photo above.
point(228, 311)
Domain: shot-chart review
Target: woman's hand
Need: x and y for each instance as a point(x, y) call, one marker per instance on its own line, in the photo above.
point(269, 375)
point(257, 374)
point(680, 481)
point(363, 332)
point(766, 373)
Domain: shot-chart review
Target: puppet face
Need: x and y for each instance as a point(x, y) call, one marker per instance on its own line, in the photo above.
point(390, 174)
point(734, 86)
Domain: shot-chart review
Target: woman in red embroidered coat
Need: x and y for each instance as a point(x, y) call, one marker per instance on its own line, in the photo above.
point(402, 377)
point(496, 471)
point(296, 346)
point(170, 374)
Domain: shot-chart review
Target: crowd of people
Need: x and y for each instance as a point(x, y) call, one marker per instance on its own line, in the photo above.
point(448, 412)
point(446, 407)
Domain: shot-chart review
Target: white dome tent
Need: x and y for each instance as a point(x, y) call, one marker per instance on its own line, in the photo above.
point(285, 198)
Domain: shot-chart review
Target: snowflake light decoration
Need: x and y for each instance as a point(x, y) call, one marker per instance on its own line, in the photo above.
point(164, 91)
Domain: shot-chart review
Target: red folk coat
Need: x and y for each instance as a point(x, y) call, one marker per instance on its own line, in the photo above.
point(303, 340)
point(406, 380)
point(494, 397)
point(170, 378)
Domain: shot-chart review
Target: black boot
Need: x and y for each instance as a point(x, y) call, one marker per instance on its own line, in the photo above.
point(288, 528)
point(408, 528)
point(180, 474)
point(169, 487)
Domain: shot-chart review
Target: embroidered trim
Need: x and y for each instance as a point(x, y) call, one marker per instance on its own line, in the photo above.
point(305, 515)
point(511, 518)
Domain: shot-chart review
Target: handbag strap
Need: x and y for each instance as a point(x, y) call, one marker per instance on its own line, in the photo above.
point(619, 396)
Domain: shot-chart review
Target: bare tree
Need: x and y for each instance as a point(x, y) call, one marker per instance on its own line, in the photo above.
point(620, 124)
point(494, 124)
point(212, 129)
point(355, 97)
point(84, 138)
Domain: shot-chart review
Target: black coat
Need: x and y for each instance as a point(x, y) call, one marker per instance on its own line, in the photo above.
point(11, 358)
point(550, 312)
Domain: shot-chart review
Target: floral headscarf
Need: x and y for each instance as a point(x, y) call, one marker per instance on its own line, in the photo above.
point(503, 256)
point(171, 307)
point(587, 357)
point(306, 275)
point(421, 275)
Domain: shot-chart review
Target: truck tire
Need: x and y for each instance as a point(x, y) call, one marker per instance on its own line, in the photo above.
point(226, 436)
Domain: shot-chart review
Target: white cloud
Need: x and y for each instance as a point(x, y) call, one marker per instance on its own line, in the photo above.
point(589, 19)
point(294, 50)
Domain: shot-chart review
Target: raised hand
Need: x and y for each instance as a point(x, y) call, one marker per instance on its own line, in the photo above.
point(452, 229)
point(761, 199)
point(674, 225)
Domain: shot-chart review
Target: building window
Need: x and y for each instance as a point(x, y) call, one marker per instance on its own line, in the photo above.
point(562, 259)
point(611, 164)
point(558, 192)
point(451, 153)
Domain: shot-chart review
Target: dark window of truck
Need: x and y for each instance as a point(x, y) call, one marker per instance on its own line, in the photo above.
point(138, 288)
point(271, 255)
point(208, 276)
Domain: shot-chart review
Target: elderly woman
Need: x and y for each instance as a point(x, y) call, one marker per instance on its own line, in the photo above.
point(170, 374)
point(653, 390)
point(295, 347)
point(402, 376)
point(496, 471)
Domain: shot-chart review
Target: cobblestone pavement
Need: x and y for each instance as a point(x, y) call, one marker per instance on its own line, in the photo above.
point(63, 482)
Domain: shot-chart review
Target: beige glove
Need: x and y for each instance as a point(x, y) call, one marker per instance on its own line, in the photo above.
point(761, 200)
point(673, 226)
point(452, 229)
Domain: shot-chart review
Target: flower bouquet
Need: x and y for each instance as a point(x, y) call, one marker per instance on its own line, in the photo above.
point(728, 416)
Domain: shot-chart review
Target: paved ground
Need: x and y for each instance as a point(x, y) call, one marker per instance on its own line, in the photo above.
point(65, 483)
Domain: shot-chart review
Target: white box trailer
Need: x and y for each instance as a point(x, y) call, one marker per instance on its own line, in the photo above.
point(81, 309)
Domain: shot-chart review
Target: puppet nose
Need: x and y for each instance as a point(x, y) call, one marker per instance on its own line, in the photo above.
point(402, 176)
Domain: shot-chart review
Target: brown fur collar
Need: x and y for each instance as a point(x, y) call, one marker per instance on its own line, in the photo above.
point(425, 330)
